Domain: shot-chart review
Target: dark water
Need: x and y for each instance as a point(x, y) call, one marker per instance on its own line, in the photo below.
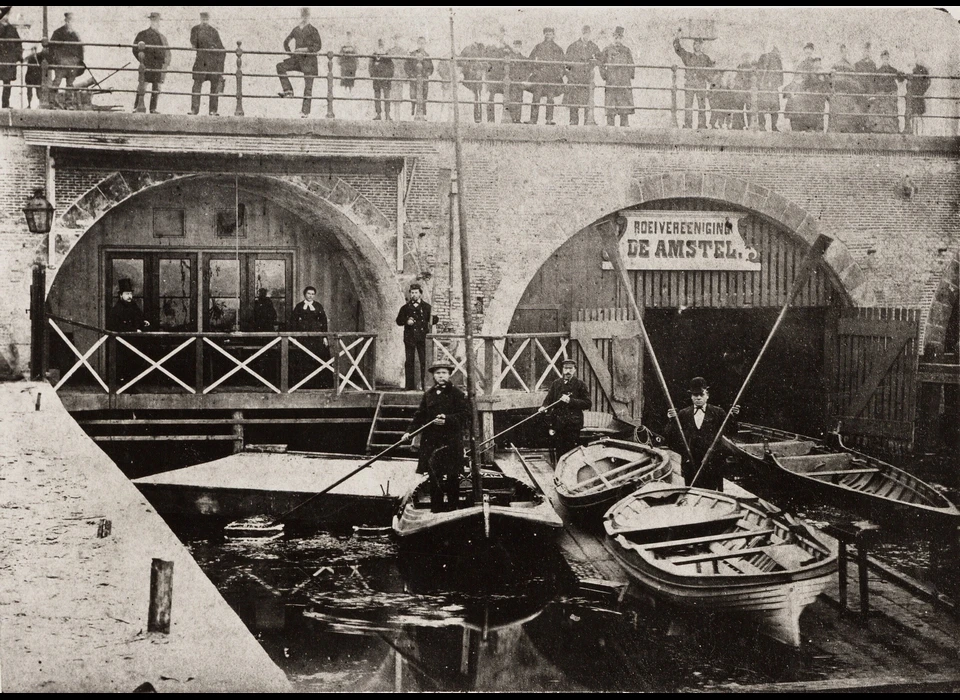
point(341, 612)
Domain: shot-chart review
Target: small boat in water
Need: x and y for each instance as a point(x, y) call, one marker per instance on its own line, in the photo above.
point(710, 551)
point(509, 512)
point(778, 464)
point(590, 478)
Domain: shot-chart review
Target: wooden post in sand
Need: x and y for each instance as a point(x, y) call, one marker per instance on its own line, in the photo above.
point(161, 596)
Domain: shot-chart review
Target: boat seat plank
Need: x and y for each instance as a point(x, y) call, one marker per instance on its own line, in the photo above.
point(839, 472)
point(816, 463)
point(789, 556)
point(713, 556)
point(718, 520)
point(606, 476)
point(725, 537)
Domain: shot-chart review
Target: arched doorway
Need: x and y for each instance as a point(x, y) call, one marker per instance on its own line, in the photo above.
point(704, 322)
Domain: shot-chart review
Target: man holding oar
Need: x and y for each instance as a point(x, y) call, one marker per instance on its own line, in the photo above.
point(700, 423)
point(448, 406)
point(566, 417)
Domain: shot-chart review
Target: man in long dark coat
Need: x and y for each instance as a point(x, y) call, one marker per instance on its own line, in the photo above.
point(381, 71)
point(700, 422)
point(581, 57)
point(843, 102)
point(696, 80)
point(309, 317)
point(474, 70)
point(769, 81)
point(546, 78)
point(156, 57)
point(566, 418)
point(519, 75)
point(126, 317)
point(68, 61)
point(302, 59)
point(441, 444)
point(416, 318)
point(419, 68)
point(917, 86)
point(865, 66)
point(618, 71)
point(884, 112)
point(11, 53)
point(208, 66)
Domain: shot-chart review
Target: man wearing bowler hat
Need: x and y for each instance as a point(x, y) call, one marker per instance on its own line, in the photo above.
point(156, 57)
point(441, 447)
point(566, 418)
point(700, 422)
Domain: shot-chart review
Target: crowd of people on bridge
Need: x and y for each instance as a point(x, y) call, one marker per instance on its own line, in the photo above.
point(844, 97)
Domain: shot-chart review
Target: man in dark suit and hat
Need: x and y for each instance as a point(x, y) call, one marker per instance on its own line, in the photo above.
point(67, 59)
point(302, 59)
point(581, 57)
point(208, 66)
point(441, 444)
point(618, 71)
point(416, 318)
point(156, 57)
point(700, 422)
point(546, 78)
point(126, 317)
point(696, 81)
point(11, 53)
point(566, 418)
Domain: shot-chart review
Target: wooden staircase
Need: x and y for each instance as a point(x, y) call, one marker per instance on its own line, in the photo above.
point(395, 410)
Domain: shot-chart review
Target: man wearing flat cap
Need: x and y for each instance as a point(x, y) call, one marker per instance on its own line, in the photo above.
point(566, 418)
point(546, 76)
point(441, 444)
point(700, 422)
point(156, 57)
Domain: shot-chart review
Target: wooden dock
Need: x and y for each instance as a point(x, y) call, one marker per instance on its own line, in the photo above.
point(258, 483)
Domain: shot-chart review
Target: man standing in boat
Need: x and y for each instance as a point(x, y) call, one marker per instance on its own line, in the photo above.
point(566, 418)
point(441, 447)
point(700, 422)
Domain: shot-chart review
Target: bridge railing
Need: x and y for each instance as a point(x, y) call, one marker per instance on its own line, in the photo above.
point(204, 363)
point(504, 89)
point(524, 362)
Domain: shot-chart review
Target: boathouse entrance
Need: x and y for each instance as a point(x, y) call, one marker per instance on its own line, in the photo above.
point(705, 316)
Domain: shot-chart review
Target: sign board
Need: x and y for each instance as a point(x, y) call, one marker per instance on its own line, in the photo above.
point(684, 240)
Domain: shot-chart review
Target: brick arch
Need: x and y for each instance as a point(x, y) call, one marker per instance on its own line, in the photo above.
point(945, 299)
point(359, 226)
point(848, 277)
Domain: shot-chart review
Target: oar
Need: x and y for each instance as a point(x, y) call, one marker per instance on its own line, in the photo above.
point(279, 520)
point(618, 264)
point(517, 424)
point(809, 263)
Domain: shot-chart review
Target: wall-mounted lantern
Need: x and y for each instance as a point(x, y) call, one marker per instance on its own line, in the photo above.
point(39, 213)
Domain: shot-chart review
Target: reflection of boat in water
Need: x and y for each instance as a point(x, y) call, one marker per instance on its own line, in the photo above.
point(706, 550)
point(779, 464)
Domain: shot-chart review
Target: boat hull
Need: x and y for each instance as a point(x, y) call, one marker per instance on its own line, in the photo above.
point(871, 496)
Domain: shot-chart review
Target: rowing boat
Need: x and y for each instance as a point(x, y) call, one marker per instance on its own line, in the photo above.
point(588, 479)
point(710, 551)
point(509, 512)
point(782, 465)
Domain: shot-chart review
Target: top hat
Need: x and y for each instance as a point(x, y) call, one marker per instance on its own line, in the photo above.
point(698, 385)
point(153, 15)
point(618, 31)
point(125, 285)
point(441, 365)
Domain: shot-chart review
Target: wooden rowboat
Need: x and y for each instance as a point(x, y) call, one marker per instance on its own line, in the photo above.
point(511, 513)
point(706, 550)
point(781, 465)
point(590, 478)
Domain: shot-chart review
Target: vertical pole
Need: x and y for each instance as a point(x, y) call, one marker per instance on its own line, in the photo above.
point(754, 102)
point(37, 321)
point(465, 282)
point(330, 114)
point(198, 379)
point(673, 95)
point(45, 72)
point(335, 351)
point(161, 596)
point(507, 108)
point(237, 432)
point(239, 109)
point(842, 573)
point(588, 117)
point(284, 364)
point(420, 106)
point(452, 243)
point(864, 578)
point(401, 210)
point(487, 432)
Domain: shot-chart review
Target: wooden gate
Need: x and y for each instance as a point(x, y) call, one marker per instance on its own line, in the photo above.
point(873, 377)
point(610, 354)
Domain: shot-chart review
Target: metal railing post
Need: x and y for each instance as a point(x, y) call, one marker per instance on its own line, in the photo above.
point(45, 75)
point(673, 94)
point(754, 115)
point(330, 114)
point(239, 110)
point(588, 117)
point(832, 101)
point(419, 106)
point(141, 79)
point(507, 110)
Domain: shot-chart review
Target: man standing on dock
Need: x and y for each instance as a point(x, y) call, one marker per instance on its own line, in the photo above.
point(416, 319)
point(441, 447)
point(700, 422)
point(126, 317)
point(566, 418)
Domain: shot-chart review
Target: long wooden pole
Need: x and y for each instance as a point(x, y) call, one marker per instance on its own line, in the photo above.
point(465, 274)
point(809, 263)
point(617, 262)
